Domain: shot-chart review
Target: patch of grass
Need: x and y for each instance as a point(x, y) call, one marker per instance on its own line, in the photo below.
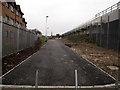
point(43, 40)
point(74, 38)
point(78, 38)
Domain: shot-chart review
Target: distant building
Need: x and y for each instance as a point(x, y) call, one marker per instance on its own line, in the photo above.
point(12, 14)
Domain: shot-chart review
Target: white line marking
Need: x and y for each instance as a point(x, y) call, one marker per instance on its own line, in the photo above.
point(28, 86)
point(15, 67)
point(95, 65)
point(20, 63)
point(92, 64)
point(100, 69)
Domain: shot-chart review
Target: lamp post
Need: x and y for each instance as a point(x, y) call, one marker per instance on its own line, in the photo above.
point(46, 25)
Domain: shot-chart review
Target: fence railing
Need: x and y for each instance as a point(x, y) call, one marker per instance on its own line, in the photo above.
point(110, 9)
point(15, 38)
point(105, 29)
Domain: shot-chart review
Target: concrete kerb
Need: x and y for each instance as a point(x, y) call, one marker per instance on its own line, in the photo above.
point(101, 69)
point(28, 86)
point(94, 65)
point(20, 63)
point(98, 68)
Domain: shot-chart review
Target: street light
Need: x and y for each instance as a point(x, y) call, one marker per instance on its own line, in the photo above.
point(46, 25)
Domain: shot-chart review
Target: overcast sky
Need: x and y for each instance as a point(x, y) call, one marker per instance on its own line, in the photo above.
point(64, 15)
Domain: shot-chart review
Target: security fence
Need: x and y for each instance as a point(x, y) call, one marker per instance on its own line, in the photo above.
point(15, 38)
point(104, 28)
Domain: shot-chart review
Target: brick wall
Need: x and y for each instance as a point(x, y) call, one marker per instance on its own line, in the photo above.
point(7, 11)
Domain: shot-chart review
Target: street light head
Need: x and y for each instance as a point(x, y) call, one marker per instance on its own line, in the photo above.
point(46, 16)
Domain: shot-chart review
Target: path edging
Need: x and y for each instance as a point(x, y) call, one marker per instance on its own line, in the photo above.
point(20, 63)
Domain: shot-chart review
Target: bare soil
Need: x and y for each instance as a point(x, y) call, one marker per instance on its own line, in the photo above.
point(99, 56)
point(11, 61)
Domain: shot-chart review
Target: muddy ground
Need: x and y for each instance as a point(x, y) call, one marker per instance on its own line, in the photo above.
point(11, 61)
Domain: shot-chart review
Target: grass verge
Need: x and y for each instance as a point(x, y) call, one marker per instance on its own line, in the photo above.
point(79, 38)
point(43, 40)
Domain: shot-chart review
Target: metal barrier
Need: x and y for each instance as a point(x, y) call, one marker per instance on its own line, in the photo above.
point(105, 29)
point(110, 9)
point(15, 38)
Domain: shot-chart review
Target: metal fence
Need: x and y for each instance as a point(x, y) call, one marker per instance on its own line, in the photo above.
point(15, 38)
point(108, 10)
point(104, 28)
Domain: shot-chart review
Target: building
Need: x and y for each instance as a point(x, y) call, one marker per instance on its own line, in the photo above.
point(12, 14)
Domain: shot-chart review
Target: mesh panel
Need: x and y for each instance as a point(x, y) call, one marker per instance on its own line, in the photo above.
point(15, 39)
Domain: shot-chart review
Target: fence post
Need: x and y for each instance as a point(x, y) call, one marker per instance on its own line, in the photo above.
point(97, 30)
point(30, 38)
point(108, 29)
point(26, 39)
point(90, 30)
point(1, 22)
point(118, 46)
point(101, 33)
point(18, 38)
point(0, 37)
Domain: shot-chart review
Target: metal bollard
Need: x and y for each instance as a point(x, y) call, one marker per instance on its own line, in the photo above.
point(36, 79)
point(117, 80)
point(76, 82)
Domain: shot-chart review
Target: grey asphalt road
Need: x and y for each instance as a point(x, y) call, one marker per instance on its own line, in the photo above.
point(56, 64)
